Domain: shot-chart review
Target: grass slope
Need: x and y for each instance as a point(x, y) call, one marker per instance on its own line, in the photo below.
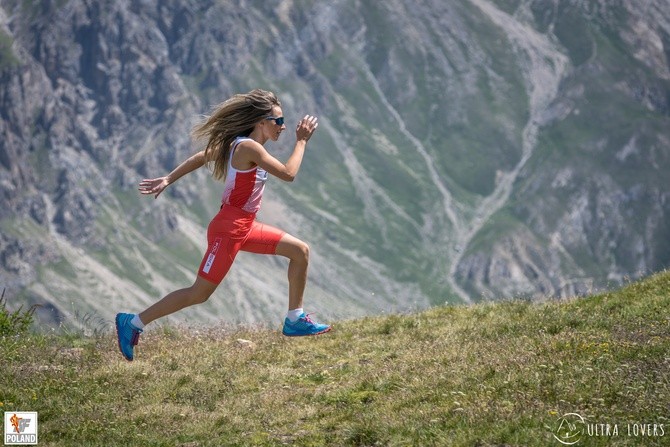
point(489, 374)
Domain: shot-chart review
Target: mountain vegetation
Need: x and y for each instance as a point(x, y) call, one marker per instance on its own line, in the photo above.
point(467, 150)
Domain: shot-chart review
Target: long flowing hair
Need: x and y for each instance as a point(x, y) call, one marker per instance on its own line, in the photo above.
point(235, 117)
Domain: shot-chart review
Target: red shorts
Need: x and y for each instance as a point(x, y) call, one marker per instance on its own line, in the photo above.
point(232, 230)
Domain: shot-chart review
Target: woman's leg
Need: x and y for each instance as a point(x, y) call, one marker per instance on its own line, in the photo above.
point(266, 239)
point(128, 330)
point(198, 293)
point(225, 236)
point(297, 252)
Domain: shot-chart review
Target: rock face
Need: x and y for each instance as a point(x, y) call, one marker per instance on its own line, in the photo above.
point(466, 149)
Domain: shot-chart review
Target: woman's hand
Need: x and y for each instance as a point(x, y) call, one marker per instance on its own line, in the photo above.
point(154, 186)
point(306, 128)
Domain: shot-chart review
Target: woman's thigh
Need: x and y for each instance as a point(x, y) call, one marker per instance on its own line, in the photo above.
point(263, 239)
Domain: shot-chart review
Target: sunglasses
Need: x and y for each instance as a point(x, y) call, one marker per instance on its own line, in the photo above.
point(279, 120)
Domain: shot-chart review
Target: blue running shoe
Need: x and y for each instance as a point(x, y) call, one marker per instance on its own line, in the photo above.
point(304, 326)
point(127, 334)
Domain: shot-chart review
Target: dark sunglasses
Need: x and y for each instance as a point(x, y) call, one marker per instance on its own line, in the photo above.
point(279, 120)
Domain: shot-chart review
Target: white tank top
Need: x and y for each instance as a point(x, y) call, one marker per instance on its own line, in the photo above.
point(243, 189)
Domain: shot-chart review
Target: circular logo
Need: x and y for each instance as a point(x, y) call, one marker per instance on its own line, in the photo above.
point(569, 429)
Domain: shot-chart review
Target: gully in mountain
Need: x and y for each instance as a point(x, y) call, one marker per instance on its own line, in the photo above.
point(236, 132)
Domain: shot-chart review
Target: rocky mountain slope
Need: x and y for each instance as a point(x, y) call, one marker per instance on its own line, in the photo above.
point(466, 149)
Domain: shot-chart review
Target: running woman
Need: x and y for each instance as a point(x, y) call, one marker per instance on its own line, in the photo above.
point(236, 132)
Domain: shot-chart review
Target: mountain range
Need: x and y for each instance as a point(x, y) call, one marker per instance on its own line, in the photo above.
point(467, 150)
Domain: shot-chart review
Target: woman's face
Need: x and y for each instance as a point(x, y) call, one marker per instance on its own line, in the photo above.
point(272, 129)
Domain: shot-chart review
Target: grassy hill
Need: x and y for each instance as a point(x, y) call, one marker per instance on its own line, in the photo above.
point(483, 375)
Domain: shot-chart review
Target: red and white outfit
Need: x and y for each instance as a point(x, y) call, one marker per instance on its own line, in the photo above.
point(235, 228)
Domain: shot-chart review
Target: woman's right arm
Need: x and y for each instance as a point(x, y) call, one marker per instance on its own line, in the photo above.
point(257, 154)
point(157, 185)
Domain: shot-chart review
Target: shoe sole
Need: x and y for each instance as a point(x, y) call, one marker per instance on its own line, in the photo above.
point(307, 335)
point(118, 339)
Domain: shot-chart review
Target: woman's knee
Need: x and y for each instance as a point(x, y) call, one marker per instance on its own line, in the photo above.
point(294, 249)
point(201, 290)
point(199, 297)
point(303, 252)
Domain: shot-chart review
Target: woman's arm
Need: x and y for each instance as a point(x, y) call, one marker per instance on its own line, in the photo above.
point(257, 154)
point(157, 185)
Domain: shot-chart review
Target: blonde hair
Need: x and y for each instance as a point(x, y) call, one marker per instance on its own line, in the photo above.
point(235, 117)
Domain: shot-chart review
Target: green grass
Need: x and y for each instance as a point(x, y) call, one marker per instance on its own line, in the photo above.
point(489, 374)
point(14, 322)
